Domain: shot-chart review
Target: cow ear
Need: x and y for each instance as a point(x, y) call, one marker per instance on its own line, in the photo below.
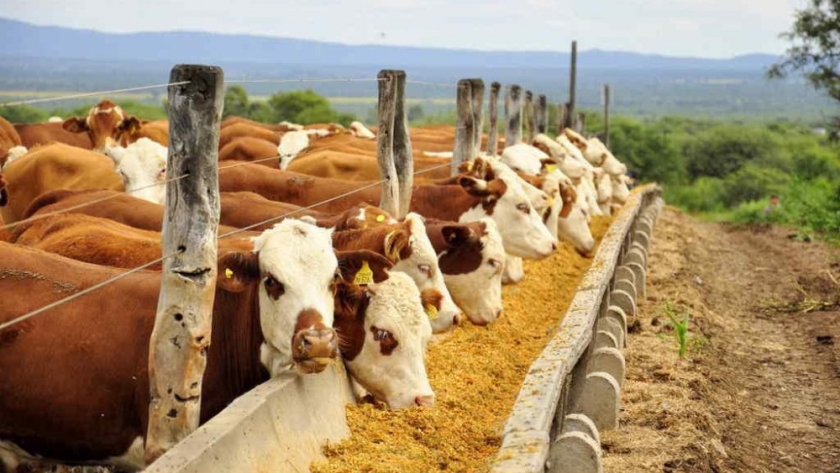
point(130, 125)
point(496, 188)
point(473, 186)
point(75, 125)
point(237, 270)
point(457, 235)
point(363, 267)
point(395, 242)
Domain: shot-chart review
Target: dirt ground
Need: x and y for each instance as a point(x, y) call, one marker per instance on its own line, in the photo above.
point(759, 388)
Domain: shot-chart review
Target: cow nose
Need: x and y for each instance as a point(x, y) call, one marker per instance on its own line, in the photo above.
point(425, 401)
point(316, 343)
point(554, 246)
point(457, 318)
point(498, 314)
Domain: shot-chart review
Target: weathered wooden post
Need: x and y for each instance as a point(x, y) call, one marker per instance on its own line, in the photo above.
point(572, 86)
point(464, 126)
point(529, 116)
point(513, 115)
point(478, 114)
point(542, 114)
point(493, 111)
point(181, 335)
point(403, 159)
point(390, 197)
point(580, 123)
point(562, 117)
point(607, 97)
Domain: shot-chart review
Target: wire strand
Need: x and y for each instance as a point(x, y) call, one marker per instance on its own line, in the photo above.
point(290, 81)
point(100, 285)
point(89, 94)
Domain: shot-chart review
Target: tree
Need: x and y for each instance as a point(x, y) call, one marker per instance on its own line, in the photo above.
point(415, 112)
point(816, 48)
point(236, 102)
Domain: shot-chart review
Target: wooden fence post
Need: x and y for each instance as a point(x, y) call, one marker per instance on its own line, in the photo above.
point(542, 114)
point(513, 115)
point(572, 86)
point(403, 159)
point(390, 197)
point(528, 108)
point(580, 123)
point(181, 335)
point(478, 114)
point(464, 126)
point(493, 110)
point(607, 97)
point(562, 117)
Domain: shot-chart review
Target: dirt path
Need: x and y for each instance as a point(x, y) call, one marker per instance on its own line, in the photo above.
point(759, 390)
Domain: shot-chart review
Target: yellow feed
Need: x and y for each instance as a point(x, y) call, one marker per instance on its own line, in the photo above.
point(476, 373)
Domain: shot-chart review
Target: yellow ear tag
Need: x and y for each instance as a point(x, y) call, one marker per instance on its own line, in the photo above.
point(380, 218)
point(364, 276)
point(551, 167)
point(228, 273)
point(551, 201)
point(431, 311)
point(469, 166)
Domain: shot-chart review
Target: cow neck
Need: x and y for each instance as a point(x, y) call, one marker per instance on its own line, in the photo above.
point(443, 202)
point(462, 259)
point(233, 360)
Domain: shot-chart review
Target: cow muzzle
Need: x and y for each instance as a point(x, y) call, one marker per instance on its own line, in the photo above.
point(314, 349)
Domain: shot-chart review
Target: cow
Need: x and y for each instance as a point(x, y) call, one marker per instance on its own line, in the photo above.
point(51, 167)
point(104, 125)
point(239, 130)
point(251, 149)
point(359, 130)
point(35, 134)
point(407, 247)
point(291, 144)
point(354, 166)
point(272, 294)
point(471, 258)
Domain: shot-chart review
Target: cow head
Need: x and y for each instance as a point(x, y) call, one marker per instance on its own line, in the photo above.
point(383, 331)
point(359, 130)
point(505, 200)
point(514, 270)
point(142, 167)
point(472, 266)
point(291, 144)
point(620, 191)
point(422, 266)
point(573, 224)
point(105, 124)
point(295, 269)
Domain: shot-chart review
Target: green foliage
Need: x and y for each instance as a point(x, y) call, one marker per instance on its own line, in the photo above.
point(415, 112)
point(722, 150)
point(679, 324)
point(706, 194)
point(23, 114)
point(752, 182)
point(236, 102)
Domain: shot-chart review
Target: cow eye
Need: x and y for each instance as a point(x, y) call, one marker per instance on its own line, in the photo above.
point(525, 208)
point(425, 269)
point(162, 174)
point(274, 288)
point(382, 335)
point(496, 264)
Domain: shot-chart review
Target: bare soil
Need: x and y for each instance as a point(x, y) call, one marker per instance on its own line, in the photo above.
point(759, 388)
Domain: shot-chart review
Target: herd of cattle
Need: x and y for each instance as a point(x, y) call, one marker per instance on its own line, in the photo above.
point(81, 202)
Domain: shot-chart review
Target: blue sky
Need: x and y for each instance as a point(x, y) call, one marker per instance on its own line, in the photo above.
point(705, 28)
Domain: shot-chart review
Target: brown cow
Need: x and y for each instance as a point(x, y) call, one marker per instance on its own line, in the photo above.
point(9, 138)
point(157, 131)
point(104, 125)
point(240, 130)
point(46, 133)
point(249, 149)
point(356, 167)
point(52, 167)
